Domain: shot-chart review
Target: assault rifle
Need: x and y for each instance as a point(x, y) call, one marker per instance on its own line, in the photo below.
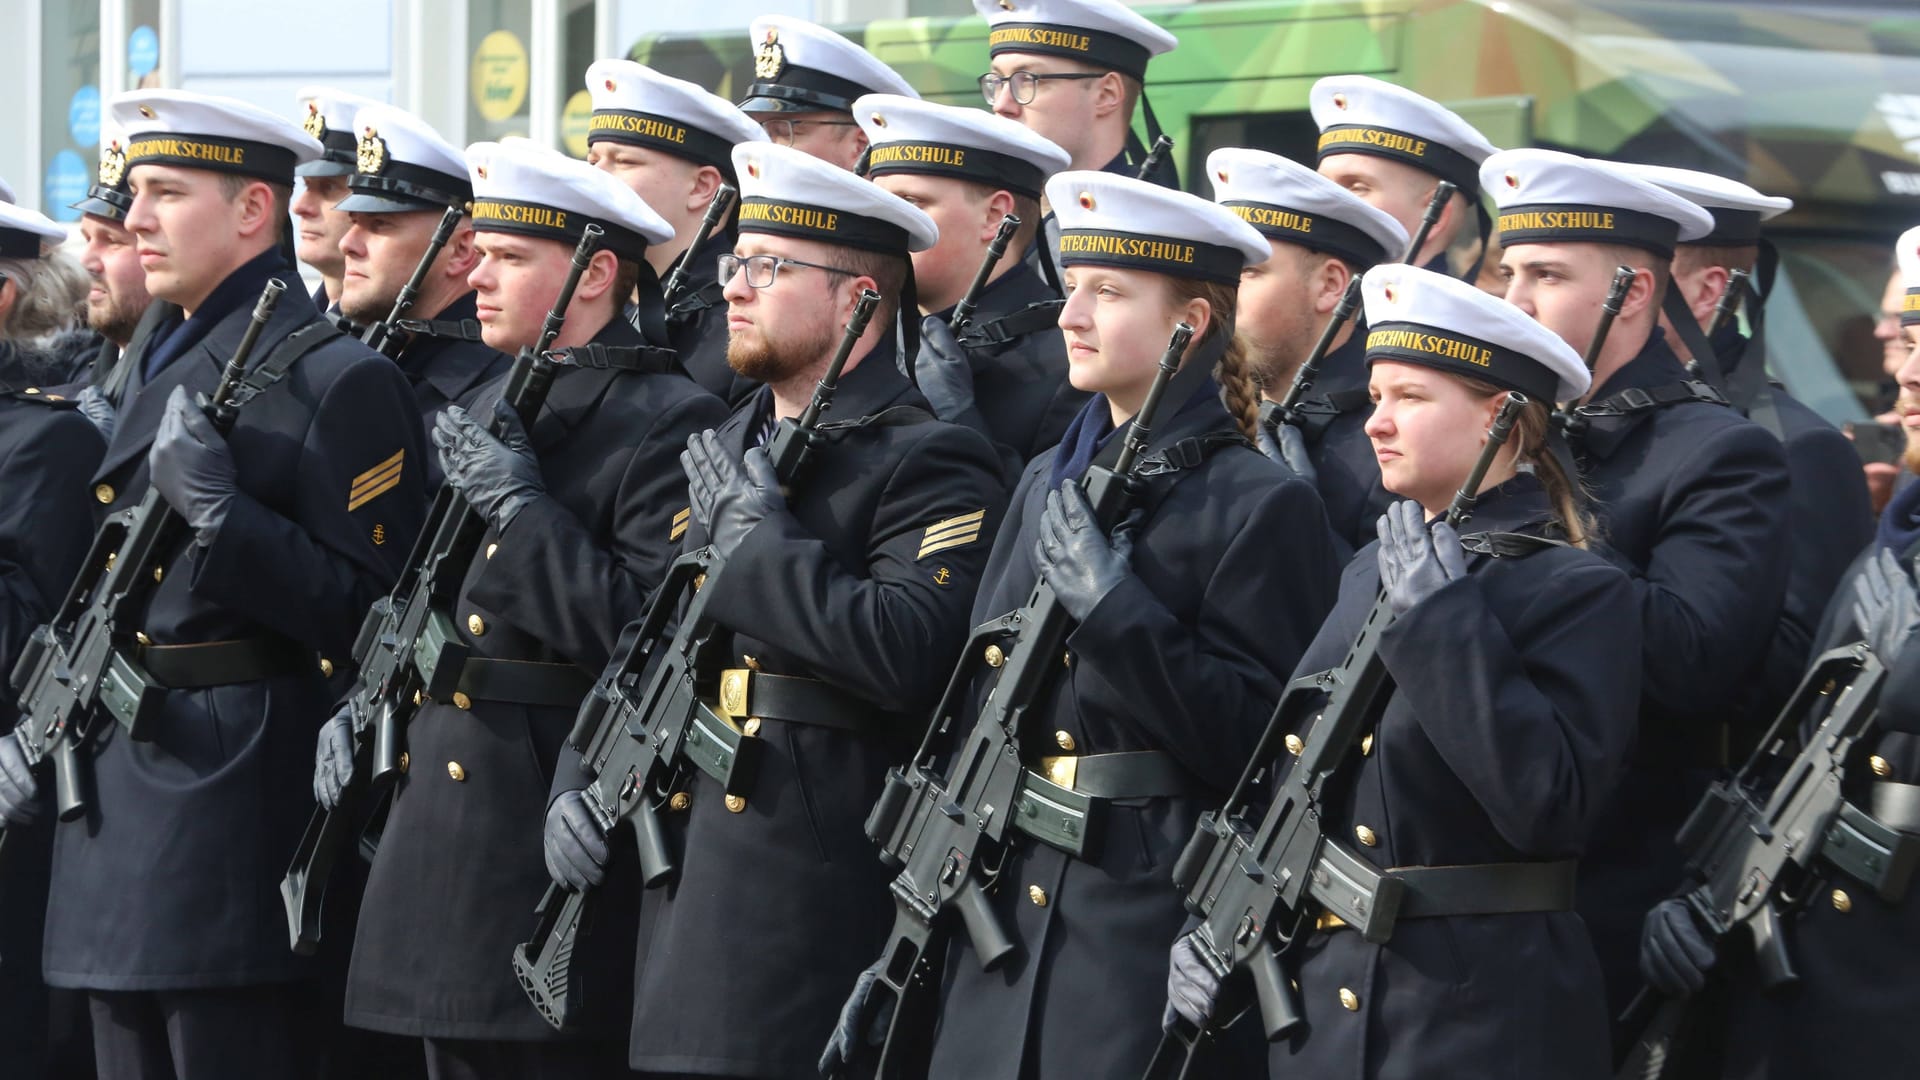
point(385, 334)
point(963, 311)
point(1609, 310)
point(676, 282)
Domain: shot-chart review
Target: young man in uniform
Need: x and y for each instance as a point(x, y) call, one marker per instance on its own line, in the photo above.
point(1692, 499)
point(164, 907)
point(842, 601)
point(1390, 146)
point(580, 506)
point(669, 141)
point(405, 177)
point(1322, 237)
point(806, 78)
point(1006, 376)
point(327, 115)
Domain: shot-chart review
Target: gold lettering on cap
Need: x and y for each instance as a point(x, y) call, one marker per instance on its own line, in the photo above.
point(1435, 345)
point(637, 125)
point(1132, 247)
point(782, 214)
point(916, 154)
point(1278, 219)
point(145, 148)
point(1558, 220)
point(542, 216)
point(1039, 35)
point(1379, 137)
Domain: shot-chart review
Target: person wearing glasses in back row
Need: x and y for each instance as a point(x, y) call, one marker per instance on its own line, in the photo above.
point(805, 78)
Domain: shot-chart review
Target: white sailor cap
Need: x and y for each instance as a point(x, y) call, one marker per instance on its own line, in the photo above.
point(1109, 220)
point(1104, 33)
point(1907, 252)
point(1359, 115)
point(202, 131)
point(788, 192)
point(907, 135)
point(638, 105)
point(1737, 209)
point(800, 66)
point(402, 164)
point(1545, 197)
point(23, 232)
point(108, 196)
point(327, 114)
point(1291, 203)
point(522, 187)
point(1416, 316)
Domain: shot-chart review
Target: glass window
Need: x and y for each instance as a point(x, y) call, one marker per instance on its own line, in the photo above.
point(70, 104)
point(499, 69)
point(576, 55)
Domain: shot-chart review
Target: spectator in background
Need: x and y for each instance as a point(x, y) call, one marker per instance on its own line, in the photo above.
point(43, 334)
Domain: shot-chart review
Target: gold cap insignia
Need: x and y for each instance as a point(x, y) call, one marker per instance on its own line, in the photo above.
point(769, 60)
point(147, 111)
point(113, 165)
point(371, 156)
point(316, 122)
point(1006, 5)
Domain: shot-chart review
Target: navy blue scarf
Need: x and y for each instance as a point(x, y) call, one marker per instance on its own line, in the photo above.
point(1093, 428)
point(242, 287)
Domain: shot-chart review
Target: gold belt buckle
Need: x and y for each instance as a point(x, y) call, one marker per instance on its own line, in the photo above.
point(732, 706)
point(1327, 920)
point(1061, 770)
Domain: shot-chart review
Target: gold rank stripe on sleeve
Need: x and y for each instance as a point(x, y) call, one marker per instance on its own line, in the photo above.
point(680, 523)
point(952, 533)
point(376, 481)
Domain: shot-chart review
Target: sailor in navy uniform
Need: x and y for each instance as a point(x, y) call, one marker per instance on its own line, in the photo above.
point(1509, 716)
point(1005, 374)
point(805, 81)
point(671, 141)
point(1693, 502)
point(1187, 623)
point(581, 507)
point(1321, 237)
point(327, 115)
point(112, 261)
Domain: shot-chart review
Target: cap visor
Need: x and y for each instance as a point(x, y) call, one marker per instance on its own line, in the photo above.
point(99, 208)
point(362, 203)
point(323, 168)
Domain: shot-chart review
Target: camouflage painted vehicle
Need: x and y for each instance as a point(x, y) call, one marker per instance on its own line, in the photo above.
point(1817, 102)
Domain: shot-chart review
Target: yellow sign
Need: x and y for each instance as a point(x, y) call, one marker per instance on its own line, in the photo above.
point(574, 123)
point(498, 82)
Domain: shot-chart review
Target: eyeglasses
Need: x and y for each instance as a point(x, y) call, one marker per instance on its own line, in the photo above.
point(762, 269)
point(1024, 84)
point(782, 130)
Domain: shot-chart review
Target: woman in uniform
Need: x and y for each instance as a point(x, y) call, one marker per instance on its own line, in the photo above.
point(1514, 668)
point(1188, 618)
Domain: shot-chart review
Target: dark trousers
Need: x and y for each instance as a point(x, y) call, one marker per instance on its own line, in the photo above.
point(242, 1033)
point(484, 1059)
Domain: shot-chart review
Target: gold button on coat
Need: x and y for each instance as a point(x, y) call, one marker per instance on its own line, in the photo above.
point(103, 492)
point(1295, 744)
point(476, 625)
point(326, 667)
point(1880, 766)
point(461, 701)
point(404, 761)
point(1366, 745)
point(1349, 1000)
point(1064, 738)
point(735, 804)
point(491, 548)
point(1365, 835)
point(456, 772)
point(1842, 903)
point(680, 801)
point(1038, 895)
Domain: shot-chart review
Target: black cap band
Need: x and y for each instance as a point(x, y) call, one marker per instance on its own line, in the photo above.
point(995, 170)
point(821, 223)
point(1315, 232)
point(660, 133)
point(1460, 354)
point(1096, 47)
point(549, 223)
point(1551, 223)
point(1732, 228)
point(20, 243)
point(245, 157)
point(1170, 255)
point(800, 89)
point(1417, 150)
point(399, 181)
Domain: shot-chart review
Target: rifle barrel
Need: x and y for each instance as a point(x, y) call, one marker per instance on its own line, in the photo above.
point(1730, 301)
point(236, 369)
point(557, 318)
point(830, 381)
point(381, 333)
point(1140, 428)
point(1435, 207)
point(676, 282)
point(1469, 493)
point(997, 250)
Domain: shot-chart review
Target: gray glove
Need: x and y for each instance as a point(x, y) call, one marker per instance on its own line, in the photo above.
point(1192, 988)
point(192, 466)
point(729, 498)
point(1885, 607)
point(1074, 556)
point(499, 476)
point(1416, 560)
point(943, 370)
point(576, 847)
point(19, 791)
point(96, 408)
point(856, 1029)
point(1674, 955)
point(333, 759)
point(1285, 446)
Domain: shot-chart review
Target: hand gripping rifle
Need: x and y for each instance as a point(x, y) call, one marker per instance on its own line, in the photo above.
point(408, 650)
point(385, 334)
point(1623, 276)
point(1258, 889)
point(1758, 842)
point(649, 717)
point(1288, 410)
point(676, 282)
point(83, 663)
point(945, 833)
point(963, 311)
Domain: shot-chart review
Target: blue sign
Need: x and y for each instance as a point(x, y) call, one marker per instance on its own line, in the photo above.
point(67, 179)
point(83, 116)
point(143, 51)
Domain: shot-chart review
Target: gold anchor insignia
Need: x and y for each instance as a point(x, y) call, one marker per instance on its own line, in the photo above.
point(379, 534)
point(942, 576)
point(113, 165)
point(316, 122)
point(769, 59)
point(371, 156)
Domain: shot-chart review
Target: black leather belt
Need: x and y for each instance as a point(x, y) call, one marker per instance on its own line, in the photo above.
point(524, 682)
point(223, 663)
point(1135, 774)
point(1895, 805)
point(745, 694)
point(1436, 892)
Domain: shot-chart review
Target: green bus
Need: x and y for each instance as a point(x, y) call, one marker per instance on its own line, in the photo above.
point(1819, 102)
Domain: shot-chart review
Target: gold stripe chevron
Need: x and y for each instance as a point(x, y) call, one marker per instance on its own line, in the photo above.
point(680, 524)
point(952, 533)
point(376, 481)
